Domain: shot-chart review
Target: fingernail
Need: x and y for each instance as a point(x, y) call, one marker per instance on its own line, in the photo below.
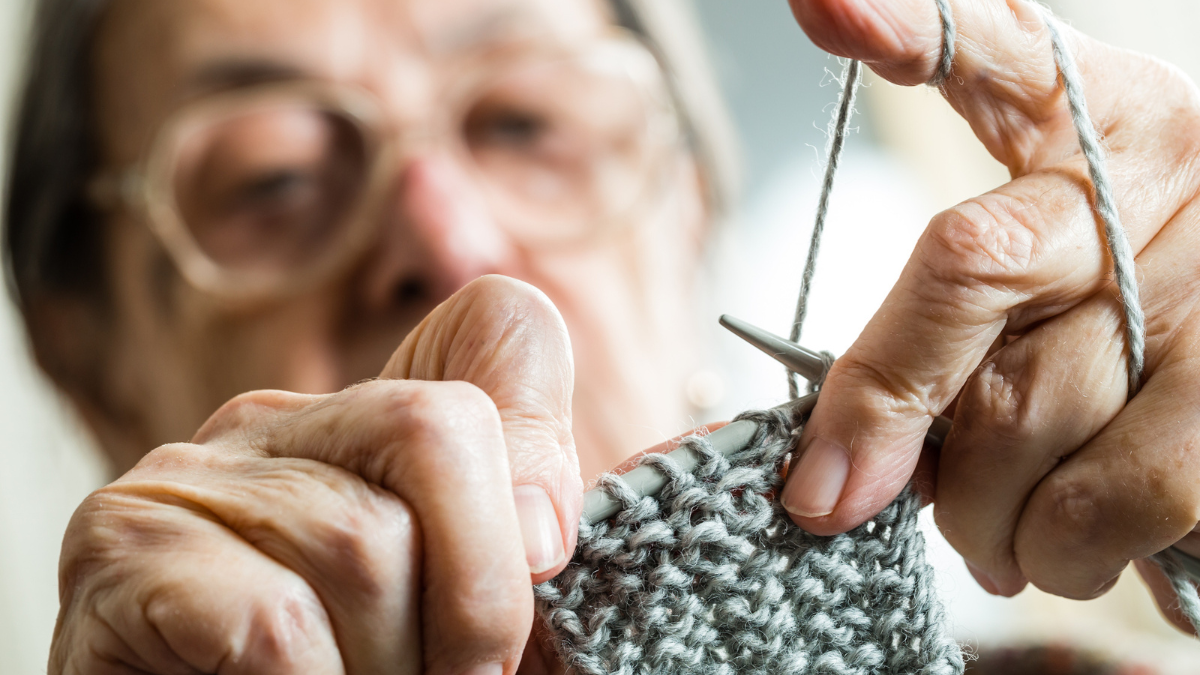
point(983, 579)
point(539, 528)
point(485, 669)
point(816, 484)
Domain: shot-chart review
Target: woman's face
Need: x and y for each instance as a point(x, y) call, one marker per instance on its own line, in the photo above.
point(176, 352)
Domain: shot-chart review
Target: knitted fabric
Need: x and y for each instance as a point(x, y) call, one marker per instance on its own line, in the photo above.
point(712, 576)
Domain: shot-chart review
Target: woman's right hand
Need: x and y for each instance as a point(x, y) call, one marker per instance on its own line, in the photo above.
point(391, 527)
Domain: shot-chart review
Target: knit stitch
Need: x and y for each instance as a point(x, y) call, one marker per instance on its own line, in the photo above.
point(711, 576)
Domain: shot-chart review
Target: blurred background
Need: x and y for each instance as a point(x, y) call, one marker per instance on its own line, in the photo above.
point(909, 157)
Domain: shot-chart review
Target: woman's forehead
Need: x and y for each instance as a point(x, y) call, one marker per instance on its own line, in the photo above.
point(152, 55)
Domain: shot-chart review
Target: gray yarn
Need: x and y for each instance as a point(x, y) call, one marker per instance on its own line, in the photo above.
point(838, 127)
point(1185, 590)
point(851, 77)
point(948, 31)
point(1106, 203)
point(711, 576)
point(1123, 268)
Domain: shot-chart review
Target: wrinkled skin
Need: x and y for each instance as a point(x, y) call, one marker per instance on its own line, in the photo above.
point(371, 530)
point(377, 529)
point(1007, 318)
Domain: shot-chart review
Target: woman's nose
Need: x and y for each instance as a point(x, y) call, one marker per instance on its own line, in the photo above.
point(437, 236)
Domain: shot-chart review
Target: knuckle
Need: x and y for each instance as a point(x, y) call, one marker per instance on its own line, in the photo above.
point(435, 410)
point(407, 424)
point(899, 394)
point(240, 411)
point(369, 544)
point(129, 517)
point(1068, 525)
point(168, 459)
point(1171, 507)
point(996, 402)
point(90, 539)
point(1071, 514)
point(280, 630)
point(109, 521)
point(984, 240)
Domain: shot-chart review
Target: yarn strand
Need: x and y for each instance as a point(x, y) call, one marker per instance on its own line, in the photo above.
point(851, 77)
point(1181, 583)
point(1106, 205)
point(1124, 270)
point(948, 31)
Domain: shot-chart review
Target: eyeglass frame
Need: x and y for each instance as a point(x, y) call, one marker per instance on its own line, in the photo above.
point(143, 186)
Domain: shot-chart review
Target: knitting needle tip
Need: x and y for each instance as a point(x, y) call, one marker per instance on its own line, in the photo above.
point(806, 362)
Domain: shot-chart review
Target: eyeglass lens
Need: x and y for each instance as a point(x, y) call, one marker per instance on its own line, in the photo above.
point(557, 146)
point(267, 188)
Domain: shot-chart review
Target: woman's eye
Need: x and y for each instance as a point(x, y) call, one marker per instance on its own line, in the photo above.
point(272, 188)
point(508, 128)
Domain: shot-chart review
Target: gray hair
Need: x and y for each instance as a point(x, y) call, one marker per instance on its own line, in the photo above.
point(52, 240)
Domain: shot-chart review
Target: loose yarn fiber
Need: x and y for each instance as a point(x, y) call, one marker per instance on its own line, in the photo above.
point(711, 576)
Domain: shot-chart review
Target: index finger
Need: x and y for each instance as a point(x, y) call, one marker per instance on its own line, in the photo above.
point(1023, 253)
point(1002, 81)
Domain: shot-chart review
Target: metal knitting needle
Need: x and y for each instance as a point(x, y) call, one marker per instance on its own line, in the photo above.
point(647, 481)
point(735, 436)
point(805, 362)
point(808, 364)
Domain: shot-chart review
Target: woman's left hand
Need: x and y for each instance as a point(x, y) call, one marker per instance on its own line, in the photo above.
point(1007, 312)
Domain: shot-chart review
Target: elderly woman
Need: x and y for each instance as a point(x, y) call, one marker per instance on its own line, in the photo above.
point(224, 214)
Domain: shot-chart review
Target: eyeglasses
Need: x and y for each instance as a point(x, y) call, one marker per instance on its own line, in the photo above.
point(261, 192)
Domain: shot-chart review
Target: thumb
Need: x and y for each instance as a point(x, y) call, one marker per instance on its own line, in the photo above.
point(506, 337)
point(864, 438)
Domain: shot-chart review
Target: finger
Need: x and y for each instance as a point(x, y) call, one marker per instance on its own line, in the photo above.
point(1004, 80)
point(1159, 417)
point(506, 337)
point(1113, 501)
point(1000, 262)
point(439, 447)
point(190, 598)
point(1020, 413)
point(355, 544)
